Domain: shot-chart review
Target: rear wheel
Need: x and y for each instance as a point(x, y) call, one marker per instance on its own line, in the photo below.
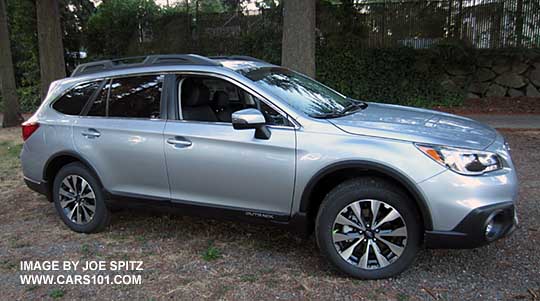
point(368, 229)
point(79, 200)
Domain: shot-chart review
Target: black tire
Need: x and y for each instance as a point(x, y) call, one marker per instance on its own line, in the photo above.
point(367, 188)
point(101, 216)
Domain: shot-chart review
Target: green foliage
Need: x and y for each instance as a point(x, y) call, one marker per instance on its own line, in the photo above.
point(211, 253)
point(118, 28)
point(23, 38)
point(264, 40)
point(57, 293)
point(29, 99)
point(9, 150)
point(453, 52)
point(74, 18)
point(213, 6)
point(248, 278)
point(117, 23)
point(392, 75)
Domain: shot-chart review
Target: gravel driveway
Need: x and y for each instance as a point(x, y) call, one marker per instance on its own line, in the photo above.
point(189, 258)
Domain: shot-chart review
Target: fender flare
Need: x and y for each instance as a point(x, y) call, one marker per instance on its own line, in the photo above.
point(70, 154)
point(390, 172)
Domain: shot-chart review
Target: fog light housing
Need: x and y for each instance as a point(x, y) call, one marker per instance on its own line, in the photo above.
point(490, 233)
point(494, 225)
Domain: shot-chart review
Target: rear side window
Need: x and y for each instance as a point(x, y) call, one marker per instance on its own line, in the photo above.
point(99, 105)
point(73, 101)
point(136, 97)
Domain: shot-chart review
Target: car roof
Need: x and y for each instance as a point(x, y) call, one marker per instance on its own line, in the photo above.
point(236, 65)
point(156, 63)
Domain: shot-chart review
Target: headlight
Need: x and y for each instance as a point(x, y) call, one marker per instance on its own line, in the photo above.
point(463, 161)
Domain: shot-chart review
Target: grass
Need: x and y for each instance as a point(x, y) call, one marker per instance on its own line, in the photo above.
point(10, 149)
point(85, 250)
point(248, 278)
point(17, 243)
point(211, 253)
point(57, 293)
point(7, 264)
point(32, 288)
point(402, 297)
point(9, 156)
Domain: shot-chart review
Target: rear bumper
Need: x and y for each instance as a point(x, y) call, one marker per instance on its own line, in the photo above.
point(37, 186)
point(471, 231)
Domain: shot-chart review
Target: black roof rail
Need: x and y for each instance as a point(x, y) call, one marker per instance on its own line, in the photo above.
point(237, 57)
point(142, 61)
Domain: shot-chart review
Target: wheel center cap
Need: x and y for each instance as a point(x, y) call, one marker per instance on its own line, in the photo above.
point(369, 234)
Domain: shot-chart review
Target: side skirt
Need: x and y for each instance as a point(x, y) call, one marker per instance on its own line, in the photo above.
point(296, 224)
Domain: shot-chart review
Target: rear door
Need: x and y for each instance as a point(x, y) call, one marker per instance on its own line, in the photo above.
point(121, 135)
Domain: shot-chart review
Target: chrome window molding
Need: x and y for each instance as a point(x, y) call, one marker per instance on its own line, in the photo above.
point(121, 118)
point(225, 123)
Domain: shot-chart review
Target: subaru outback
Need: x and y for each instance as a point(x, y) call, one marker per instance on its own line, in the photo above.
point(239, 138)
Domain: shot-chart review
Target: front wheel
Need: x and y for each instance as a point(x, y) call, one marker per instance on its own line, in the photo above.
point(79, 200)
point(368, 229)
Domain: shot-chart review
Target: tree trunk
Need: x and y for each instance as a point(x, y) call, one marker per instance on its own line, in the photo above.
point(298, 47)
point(7, 75)
point(51, 49)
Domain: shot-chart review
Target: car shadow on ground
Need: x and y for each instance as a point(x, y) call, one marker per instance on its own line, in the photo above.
point(272, 242)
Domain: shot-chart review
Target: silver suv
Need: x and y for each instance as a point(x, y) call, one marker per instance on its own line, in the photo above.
point(239, 138)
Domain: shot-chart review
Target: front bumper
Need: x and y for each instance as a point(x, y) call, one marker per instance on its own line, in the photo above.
point(471, 231)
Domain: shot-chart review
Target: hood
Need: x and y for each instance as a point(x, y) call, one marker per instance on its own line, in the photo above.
point(417, 125)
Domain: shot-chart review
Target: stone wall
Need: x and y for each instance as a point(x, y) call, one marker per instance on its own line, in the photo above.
point(497, 74)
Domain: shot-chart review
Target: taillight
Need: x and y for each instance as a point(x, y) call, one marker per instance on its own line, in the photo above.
point(28, 128)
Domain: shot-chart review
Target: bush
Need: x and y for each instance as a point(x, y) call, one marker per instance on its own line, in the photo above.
point(28, 99)
point(391, 75)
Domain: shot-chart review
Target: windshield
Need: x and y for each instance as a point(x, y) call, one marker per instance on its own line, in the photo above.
point(300, 92)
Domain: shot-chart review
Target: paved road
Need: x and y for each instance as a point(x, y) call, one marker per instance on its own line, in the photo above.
point(509, 121)
point(497, 121)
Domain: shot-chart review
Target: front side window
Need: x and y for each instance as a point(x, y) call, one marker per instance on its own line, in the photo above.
point(73, 101)
point(299, 91)
point(210, 99)
point(136, 97)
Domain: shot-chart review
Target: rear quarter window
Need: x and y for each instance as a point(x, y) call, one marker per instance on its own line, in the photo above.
point(74, 100)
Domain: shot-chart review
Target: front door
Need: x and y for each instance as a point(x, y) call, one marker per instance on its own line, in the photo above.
point(211, 164)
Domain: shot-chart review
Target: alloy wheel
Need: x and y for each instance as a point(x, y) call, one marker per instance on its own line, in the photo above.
point(369, 234)
point(77, 199)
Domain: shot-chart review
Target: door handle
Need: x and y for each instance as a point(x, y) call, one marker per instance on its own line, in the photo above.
point(91, 133)
point(179, 142)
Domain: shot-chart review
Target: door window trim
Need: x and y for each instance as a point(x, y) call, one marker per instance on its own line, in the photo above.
point(238, 84)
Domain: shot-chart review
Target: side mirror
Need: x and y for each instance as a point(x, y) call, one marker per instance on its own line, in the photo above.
point(251, 119)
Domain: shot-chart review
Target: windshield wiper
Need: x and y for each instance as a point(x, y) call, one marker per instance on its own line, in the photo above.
point(327, 115)
point(353, 107)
